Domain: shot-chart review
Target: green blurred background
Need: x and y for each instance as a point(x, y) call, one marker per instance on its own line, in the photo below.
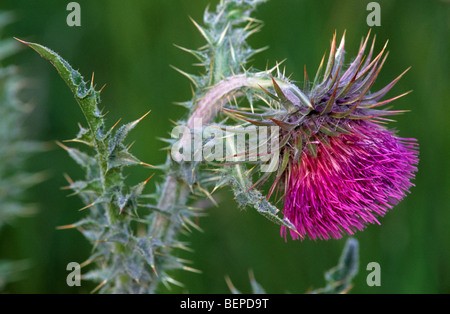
point(129, 46)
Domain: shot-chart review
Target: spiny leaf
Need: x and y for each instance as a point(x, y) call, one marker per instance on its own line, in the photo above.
point(198, 54)
point(145, 249)
point(80, 157)
point(93, 186)
point(86, 96)
point(123, 131)
point(84, 136)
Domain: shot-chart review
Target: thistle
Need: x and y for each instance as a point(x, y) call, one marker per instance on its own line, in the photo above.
point(339, 168)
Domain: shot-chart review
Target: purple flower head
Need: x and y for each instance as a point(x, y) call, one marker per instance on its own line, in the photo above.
point(339, 168)
point(351, 180)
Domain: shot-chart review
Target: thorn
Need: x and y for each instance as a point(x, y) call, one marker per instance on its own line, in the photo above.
point(316, 78)
point(92, 80)
point(229, 283)
point(71, 226)
point(251, 275)
point(284, 125)
point(193, 93)
point(192, 223)
point(269, 94)
point(367, 37)
point(381, 103)
point(375, 61)
point(99, 241)
point(222, 36)
point(183, 261)
point(263, 99)
point(134, 123)
point(129, 146)
point(276, 66)
point(102, 88)
point(342, 43)
point(278, 90)
point(146, 181)
point(236, 103)
point(173, 281)
point(85, 263)
point(68, 179)
point(190, 51)
point(201, 30)
point(62, 146)
point(154, 270)
point(74, 140)
point(112, 128)
point(22, 41)
point(256, 51)
point(86, 207)
point(186, 231)
point(183, 247)
point(243, 68)
point(99, 286)
point(192, 269)
point(189, 76)
point(306, 79)
point(331, 58)
point(139, 120)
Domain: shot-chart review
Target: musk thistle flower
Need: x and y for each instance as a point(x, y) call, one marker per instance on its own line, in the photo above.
point(339, 167)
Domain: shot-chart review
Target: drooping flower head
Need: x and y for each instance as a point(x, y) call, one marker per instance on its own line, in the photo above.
point(340, 167)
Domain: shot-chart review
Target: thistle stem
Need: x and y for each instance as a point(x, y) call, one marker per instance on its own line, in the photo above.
point(175, 191)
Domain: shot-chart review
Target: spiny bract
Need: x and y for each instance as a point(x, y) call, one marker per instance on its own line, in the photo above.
point(339, 167)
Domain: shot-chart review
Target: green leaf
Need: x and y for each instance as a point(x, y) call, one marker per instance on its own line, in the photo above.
point(254, 198)
point(81, 158)
point(122, 159)
point(145, 249)
point(86, 96)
